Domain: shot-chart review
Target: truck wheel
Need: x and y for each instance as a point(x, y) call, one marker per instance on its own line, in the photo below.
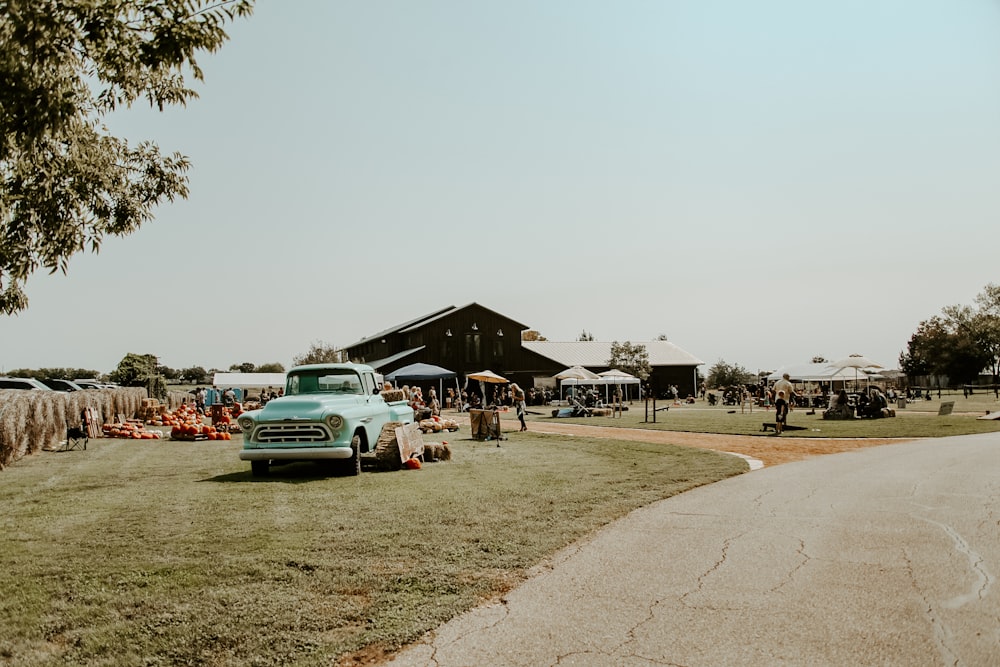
point(352, 466)
point(259, 468)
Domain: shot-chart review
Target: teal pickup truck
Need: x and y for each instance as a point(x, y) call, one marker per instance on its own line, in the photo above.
point(329, 412)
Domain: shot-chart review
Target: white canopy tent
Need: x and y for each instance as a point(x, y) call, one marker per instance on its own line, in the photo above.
point(249, 380)
point(240, 382)
point(815, 373)
point(606, 382)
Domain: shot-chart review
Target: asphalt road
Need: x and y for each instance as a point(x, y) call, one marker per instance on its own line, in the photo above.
point(880, 556)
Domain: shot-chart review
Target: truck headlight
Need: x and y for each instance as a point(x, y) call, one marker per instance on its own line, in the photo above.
point(245, 423)
point(335, 422)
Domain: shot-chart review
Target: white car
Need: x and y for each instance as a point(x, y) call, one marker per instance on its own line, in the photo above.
point(22, 383)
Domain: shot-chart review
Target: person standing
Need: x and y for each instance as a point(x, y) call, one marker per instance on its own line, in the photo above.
point(780, 412)
point(785, 385)
point(517, 394)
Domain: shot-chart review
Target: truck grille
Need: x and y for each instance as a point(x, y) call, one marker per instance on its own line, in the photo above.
point(292, 433)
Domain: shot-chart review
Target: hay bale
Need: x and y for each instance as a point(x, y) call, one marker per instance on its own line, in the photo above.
point(31, 421)
point(437, 451)
point(176, 399)
point(387, 448)
point(393, 395)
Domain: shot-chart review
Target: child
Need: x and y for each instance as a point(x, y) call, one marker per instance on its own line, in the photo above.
point(780, 412)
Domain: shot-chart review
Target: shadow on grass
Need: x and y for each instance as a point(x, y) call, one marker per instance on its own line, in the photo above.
point(296, 472)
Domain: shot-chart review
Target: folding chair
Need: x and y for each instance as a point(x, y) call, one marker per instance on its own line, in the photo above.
point(77, 436)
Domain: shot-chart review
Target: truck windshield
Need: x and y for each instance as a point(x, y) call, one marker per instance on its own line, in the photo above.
point(324, 382)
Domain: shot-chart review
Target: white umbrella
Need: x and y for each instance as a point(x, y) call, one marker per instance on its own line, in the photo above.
point(856, 361)
point(577, 373)
point(616, 376)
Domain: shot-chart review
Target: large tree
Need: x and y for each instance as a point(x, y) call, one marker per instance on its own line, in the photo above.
point(320, 353)
point(65, 181)
point(982, 325)
point(722, 374)
point(633, 358)
point(958, 344)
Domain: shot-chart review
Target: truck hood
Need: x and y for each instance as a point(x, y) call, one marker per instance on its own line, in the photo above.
point(307, 408)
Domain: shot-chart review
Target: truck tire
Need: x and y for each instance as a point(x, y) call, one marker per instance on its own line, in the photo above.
point(387, 449)
point(352, 466)
point(259, 468)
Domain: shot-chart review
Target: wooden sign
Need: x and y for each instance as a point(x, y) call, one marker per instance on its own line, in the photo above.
point(946, 408)
point(410, 439)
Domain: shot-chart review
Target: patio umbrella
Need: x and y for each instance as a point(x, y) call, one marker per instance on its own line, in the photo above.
point(577, 373)
point(857, 362)
point(487, 376)
point(618, 378)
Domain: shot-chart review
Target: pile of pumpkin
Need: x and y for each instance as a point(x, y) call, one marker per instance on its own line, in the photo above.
point(184, 414)
point(132, 429)
point(198, 432)
point(437, 424)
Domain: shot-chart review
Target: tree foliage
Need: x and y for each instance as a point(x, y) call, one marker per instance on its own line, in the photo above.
point(531, 334)
point(273, 367)
point(631, 358)
point(722, 375)
point(134, 370)
point(53, 373)
point(320, 353)
point(140, 370)
point(586, 336)
point(65, 182)
point(194, 375)
point(960, 343)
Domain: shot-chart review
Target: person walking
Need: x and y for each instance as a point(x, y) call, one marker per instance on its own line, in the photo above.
point(517, 394)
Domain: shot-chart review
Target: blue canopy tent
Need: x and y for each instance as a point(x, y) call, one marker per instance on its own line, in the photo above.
point(424, 373)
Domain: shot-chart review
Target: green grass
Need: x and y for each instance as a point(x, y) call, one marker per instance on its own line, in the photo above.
point(157, 553)
point(917, 420)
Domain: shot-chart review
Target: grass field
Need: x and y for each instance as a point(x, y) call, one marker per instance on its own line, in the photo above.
point(918, 420)
point(163, 553)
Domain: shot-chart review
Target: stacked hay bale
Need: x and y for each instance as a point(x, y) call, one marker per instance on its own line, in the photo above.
point(31, 421)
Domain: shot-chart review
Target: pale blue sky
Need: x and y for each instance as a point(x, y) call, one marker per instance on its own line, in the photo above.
point(762, 182)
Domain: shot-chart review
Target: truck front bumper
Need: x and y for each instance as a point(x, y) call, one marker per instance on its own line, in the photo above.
point(296, 453)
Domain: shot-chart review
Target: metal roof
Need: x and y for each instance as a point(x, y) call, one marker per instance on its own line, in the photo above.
point(594, 354)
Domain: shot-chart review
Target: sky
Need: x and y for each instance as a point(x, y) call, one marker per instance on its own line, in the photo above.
point(760, 182)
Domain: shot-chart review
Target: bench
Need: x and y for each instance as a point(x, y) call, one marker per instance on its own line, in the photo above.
point(771, 426)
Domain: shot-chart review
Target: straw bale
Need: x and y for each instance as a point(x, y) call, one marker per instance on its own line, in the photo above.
point(437, 451)
point(393, 395)
point(177, 398)
point(31, 421)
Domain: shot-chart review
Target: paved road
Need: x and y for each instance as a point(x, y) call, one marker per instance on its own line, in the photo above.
point(881, 556)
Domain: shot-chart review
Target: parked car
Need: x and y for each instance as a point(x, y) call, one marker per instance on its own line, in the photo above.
point(329, 412)
point(91, 384)
point(61, 385)
point(22, 383)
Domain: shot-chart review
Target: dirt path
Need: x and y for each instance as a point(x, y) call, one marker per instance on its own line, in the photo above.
point(772, 450)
